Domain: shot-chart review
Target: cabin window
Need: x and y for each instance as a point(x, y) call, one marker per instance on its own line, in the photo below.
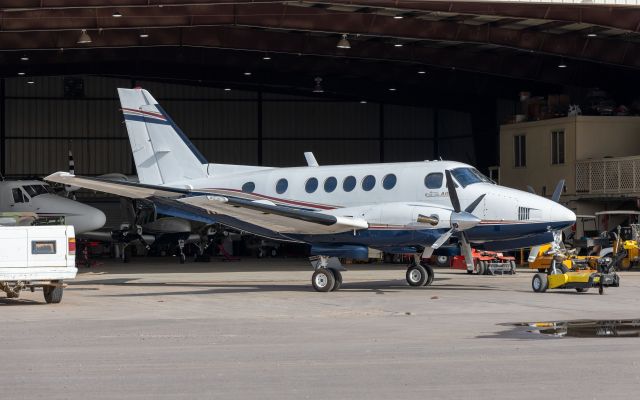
point(520, 150)
point(311, 185)
point(330, 184)
point(389, 181)
point(249, 187)
point(557, 147)
point(282, 186)
point(433, 180)
point(18, 197)
point(368, 182)
point(349, 183)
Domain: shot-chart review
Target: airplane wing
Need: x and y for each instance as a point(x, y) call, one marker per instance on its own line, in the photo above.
point(278, 218)
point(121, 188)
point(262, 213)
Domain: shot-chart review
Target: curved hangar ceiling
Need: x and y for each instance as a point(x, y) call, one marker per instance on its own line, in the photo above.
point(461, 46)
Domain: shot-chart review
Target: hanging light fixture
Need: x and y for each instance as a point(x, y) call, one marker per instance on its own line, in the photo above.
point(318, 87)
point(24, 58)
point(144, 35)
point(562, 64)
point(84, 37)
point(116, 14)
point(343, 43)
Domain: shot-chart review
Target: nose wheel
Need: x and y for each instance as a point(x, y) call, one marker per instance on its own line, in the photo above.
point(326, 280)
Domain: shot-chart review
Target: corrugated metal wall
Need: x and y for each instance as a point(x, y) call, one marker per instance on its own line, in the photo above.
point(242, 127)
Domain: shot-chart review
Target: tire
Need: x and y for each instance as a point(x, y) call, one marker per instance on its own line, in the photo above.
point(337, 276)
point(442, 261)
point(323, 280)
point(513, 267)
point(582, 290)
point(53, 294)
point(430, 274)
point(417, 275)
point(540, 283)
point(481, 267)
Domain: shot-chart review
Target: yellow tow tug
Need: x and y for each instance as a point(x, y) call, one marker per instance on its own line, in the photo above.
point(580, 276)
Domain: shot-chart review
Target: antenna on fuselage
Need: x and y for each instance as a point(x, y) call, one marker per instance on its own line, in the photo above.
point(311, 159)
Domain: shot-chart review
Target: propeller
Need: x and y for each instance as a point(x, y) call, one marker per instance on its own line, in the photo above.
point(460, 221)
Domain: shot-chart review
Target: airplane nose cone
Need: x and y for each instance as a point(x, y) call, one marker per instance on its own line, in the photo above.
point(561, 213)
point(464, 220)
point(87, 219)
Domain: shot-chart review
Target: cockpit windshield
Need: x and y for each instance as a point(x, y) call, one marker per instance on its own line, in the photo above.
point(36, 190)
point(469, 176)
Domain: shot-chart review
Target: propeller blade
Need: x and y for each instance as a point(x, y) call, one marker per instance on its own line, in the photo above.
point(473, 205)
point(440, 241)
point(465, 248)
point(533, 254)
point(531, 189)
point(556, 193)
point(453, 195)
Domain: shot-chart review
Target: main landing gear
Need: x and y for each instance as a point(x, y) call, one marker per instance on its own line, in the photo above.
point(328, 278)
point(419, 274)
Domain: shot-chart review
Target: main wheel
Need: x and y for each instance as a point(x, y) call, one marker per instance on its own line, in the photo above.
point(430, 274)
point(323, 280)
point(540, 283)
point(338, 280)
point(53, 294)
point(417, 275)
point(442, 261)
point(582, 290)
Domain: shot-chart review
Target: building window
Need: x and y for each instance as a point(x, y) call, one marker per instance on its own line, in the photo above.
point(433, 180)
point(349, 183)
point(311, 185)
point(282, 186)
point(557, 147)
point(330, 184)
point(520, 150)
point(249, 187)
point(389, 181)
point(368, 183)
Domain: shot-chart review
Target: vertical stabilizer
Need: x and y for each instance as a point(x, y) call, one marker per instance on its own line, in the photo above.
point(161, 151)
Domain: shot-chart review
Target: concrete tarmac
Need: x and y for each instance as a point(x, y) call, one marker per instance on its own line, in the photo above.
point(155, 329)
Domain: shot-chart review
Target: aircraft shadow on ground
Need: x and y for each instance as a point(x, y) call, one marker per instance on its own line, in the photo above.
point(379, 287)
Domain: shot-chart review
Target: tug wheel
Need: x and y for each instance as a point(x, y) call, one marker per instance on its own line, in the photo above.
point(582, 290)
point(540, 283)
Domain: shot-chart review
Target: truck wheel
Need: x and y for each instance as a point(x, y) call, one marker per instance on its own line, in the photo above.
point(582, 290)
point(540, 283)
point(53, 294)
point(442, 261)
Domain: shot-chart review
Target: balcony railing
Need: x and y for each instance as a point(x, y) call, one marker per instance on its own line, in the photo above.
point(611, 176)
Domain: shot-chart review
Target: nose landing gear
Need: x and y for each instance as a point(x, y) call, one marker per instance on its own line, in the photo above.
point(419, 273)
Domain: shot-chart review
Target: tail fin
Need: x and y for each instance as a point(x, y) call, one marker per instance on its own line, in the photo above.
point(161, 151)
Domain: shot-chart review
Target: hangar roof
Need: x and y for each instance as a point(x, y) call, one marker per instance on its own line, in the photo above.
point(438, 47)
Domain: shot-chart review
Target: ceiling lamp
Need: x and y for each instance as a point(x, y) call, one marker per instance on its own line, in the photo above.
point(398, 17)
point(343, 43)
point(144, 35)
point(30, 82)
point(398, 44)
point(247, 73)
point(392, 89)
point(116, 15)
point(24, 58)
point(84, 37)
point(562, 64)
point(266, 57)
point(21, 73)
point(422, 72)
point(318, 87)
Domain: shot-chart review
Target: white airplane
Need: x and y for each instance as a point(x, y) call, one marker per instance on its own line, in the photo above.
point(38, 197)
point(339, 210)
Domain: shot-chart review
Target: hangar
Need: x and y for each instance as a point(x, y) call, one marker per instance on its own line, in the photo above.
point(530, 93)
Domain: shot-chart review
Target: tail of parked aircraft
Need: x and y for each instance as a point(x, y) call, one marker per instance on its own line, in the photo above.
point(161, 151)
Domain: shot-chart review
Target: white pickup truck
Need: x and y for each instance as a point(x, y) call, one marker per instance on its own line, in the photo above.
point(37, 256)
